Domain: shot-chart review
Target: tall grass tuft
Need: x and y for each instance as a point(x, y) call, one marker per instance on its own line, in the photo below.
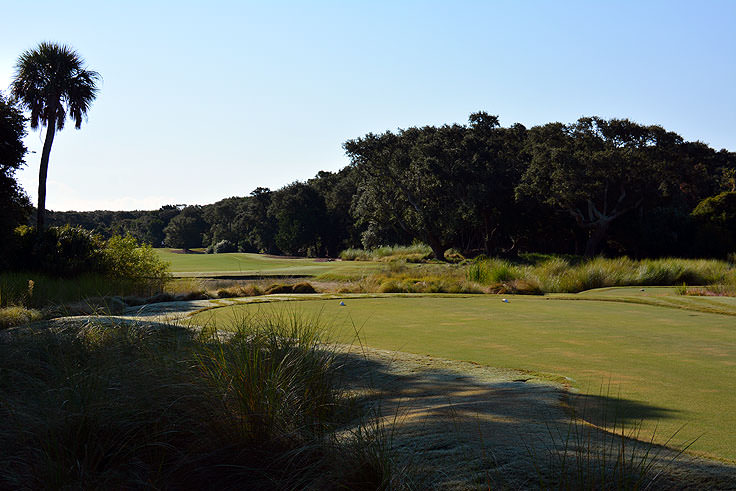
point(559, 275)
point(411, 253)
point(276, 374)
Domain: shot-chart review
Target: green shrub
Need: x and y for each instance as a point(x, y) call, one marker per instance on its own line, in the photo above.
point(67, 264)
point(123, 257)
point(492, 271)
point(478, 272)
point(222, 247)
point(58, 251)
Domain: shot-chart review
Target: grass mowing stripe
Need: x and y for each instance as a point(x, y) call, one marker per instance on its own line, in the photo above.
point(671, 365)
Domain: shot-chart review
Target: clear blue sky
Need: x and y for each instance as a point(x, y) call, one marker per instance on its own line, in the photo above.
point(206, 100)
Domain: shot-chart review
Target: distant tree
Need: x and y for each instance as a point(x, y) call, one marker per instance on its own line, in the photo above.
point(727, 179)
point(406, 179)
point(50, 81)
point(14, 203)
point(186, 229)
point(719, 211)
point(599, 170)
point(300, 215)
point(488, 173)
point(148, 229)
point(220, 217)
point(448, 186)
point(256, 224)
point(337, 190)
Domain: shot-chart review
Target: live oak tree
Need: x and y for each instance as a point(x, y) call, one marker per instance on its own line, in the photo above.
point(52, 83)
point(301, 217)
point(599, 170)
point(448, 186)
point(185, 230)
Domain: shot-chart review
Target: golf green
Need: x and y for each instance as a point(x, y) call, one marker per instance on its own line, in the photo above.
point(665, 366)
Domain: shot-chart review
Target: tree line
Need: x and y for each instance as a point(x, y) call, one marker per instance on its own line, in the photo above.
point(594, 186)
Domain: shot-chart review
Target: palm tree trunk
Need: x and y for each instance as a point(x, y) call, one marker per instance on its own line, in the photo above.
point(43, 172)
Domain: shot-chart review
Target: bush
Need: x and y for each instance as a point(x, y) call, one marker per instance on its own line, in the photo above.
point(222, 247)
point(58, 251)
point(122, 257)
point(303, 288)
point(239, 291)
point(279, 288)
point(69, 264)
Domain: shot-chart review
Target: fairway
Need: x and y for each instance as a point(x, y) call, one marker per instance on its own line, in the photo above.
point(247, 264)
point(668, 365)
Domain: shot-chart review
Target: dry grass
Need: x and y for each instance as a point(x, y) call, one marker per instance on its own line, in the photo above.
point(559, 275)
point(17, 316)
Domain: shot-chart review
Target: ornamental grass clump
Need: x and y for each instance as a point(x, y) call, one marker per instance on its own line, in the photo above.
point(559, 275)
point(412, 253)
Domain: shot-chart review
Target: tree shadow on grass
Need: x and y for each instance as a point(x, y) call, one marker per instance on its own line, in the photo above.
point(461, 425)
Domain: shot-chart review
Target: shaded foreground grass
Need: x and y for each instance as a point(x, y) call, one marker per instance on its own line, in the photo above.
point(677, 361)
point(120, 406)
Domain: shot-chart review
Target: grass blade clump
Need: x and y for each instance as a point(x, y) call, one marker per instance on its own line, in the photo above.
point(411, 253)
point(559, 275)
point(277, 377)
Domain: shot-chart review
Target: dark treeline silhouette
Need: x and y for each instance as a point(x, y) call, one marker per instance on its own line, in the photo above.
point(595, 186)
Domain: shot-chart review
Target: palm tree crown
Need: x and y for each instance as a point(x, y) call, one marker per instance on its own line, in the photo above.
point(51, 82)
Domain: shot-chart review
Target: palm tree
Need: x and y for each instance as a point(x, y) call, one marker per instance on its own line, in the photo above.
point(51, 82)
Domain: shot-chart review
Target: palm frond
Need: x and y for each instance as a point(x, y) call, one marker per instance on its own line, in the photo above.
point(51, 82)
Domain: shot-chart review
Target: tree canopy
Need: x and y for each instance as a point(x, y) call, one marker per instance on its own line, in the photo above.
point(14, 202)
point(593, 186)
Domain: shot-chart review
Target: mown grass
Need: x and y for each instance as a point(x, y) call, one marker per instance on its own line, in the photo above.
point(672, 365)
point(114, 406)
